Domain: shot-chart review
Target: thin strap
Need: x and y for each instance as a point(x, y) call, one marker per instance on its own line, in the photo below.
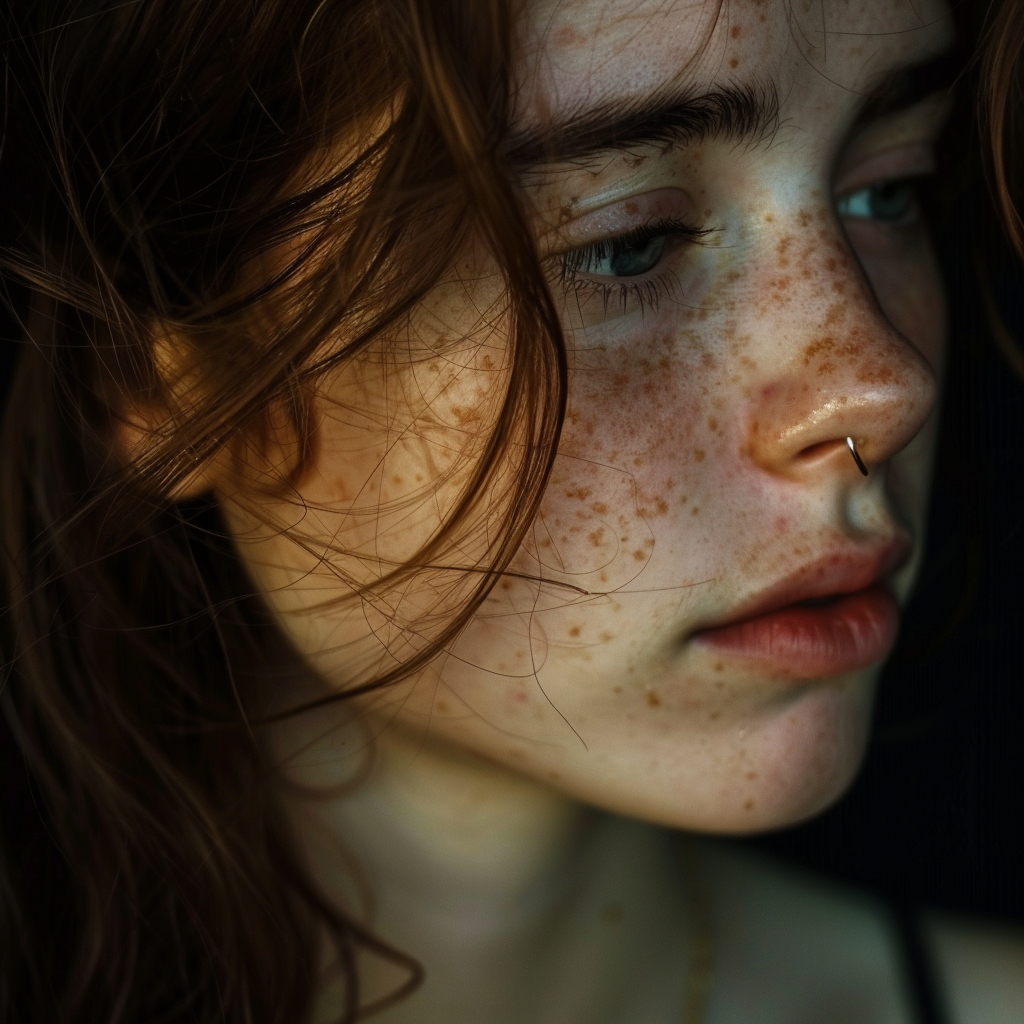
point(919, 968)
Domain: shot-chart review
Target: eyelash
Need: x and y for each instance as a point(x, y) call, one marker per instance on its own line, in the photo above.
point(646, 291)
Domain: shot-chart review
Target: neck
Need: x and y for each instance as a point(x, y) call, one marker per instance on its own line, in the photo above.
point(477, 872)
point(443, 831)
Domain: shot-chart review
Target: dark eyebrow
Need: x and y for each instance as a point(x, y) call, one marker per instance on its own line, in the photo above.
point(907, 86)
point(744, 113)
point(741, 112)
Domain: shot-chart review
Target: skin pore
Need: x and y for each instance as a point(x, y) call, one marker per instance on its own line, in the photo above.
point(739, 297)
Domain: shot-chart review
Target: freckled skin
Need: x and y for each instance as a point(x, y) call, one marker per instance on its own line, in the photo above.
point(702, 458)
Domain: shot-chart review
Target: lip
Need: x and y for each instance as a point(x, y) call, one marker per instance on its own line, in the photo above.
point(854, 626)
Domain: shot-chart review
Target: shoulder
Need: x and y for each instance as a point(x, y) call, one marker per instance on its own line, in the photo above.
point(836, 944)
point(814, 949)
point(982, 969)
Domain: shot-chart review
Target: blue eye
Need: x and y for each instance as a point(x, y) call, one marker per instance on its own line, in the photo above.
point(889, 202)
point(618, 257)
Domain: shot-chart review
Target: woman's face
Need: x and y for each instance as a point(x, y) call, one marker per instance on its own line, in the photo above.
point(693, 629)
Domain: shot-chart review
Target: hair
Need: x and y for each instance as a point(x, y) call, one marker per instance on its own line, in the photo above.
point(154, 153)
point(1000, 105)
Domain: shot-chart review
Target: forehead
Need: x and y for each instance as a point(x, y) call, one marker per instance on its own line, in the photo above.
point(579, 53)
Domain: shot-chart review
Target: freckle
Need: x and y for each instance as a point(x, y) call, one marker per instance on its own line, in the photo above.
point(718, 666)
point(616, 689)
point(419, 478)
point(506, 584)
point(695, 511)
point(698, 454)
point(748, 805)
point(554, 776)
point(597, 537)
point(734, 62)
point(639, 555)
point(751, 776)
point(442, 707)
point(769, 218)
point(638, 461)
point(683, 500)
point(575, 631)
point(396, 479)
point(599, 507)
point(623, 540)
point(662, 506)
point(736, 30)
point(653, 699)
point(712, 423)
point(606, 636)
point(546, 542)
point(604, 577)
point(632, 208)
point(835, 313)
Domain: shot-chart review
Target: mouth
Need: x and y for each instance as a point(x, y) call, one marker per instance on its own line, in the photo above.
point(833, 616)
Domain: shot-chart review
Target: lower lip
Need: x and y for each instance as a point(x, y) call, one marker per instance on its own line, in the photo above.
point(851, 633)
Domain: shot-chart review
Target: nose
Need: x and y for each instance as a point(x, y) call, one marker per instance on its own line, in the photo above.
point(840, 371)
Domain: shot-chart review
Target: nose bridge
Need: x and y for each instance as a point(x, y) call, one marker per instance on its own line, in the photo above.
point(839, 369)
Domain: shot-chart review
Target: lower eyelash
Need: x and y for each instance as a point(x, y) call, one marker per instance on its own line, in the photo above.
point(647, 293)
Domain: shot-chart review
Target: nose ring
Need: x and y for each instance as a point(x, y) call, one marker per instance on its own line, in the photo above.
point(856, 456)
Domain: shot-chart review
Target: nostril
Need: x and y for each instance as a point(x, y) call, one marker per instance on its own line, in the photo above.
point(820, 450)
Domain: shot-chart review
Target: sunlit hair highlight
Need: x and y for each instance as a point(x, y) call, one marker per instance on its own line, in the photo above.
point(158, 153)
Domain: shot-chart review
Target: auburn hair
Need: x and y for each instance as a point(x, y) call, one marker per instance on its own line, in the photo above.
point(1001, 105)
point(154, 153)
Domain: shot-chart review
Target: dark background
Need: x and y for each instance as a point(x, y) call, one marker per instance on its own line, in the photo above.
point(937, 815)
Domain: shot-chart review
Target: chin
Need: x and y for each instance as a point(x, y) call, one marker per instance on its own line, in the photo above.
point(806, 759)
point(776, 770)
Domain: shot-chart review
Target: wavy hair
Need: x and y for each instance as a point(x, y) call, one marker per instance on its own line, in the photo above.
point(154, 153)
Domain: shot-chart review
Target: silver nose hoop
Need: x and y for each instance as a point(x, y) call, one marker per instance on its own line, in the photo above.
point(856, 456)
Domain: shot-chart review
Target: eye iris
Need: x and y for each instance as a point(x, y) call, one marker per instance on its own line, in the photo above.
point(892, 201)
point(630, 259)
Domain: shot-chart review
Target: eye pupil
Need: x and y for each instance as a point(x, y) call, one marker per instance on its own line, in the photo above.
point(629, 260)
point(892, 200)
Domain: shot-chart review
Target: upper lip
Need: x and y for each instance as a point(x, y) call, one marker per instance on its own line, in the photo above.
point(832, 575)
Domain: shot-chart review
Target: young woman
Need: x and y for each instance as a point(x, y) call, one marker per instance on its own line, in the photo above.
point(454, 444)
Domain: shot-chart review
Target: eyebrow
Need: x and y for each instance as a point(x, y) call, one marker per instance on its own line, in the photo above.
point(741, 113)
point(907, 86)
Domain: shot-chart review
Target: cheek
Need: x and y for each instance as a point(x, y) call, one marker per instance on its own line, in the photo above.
point(641, 429)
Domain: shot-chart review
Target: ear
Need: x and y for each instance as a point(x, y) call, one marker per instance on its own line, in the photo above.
point(143, 419)
point(140, 425)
